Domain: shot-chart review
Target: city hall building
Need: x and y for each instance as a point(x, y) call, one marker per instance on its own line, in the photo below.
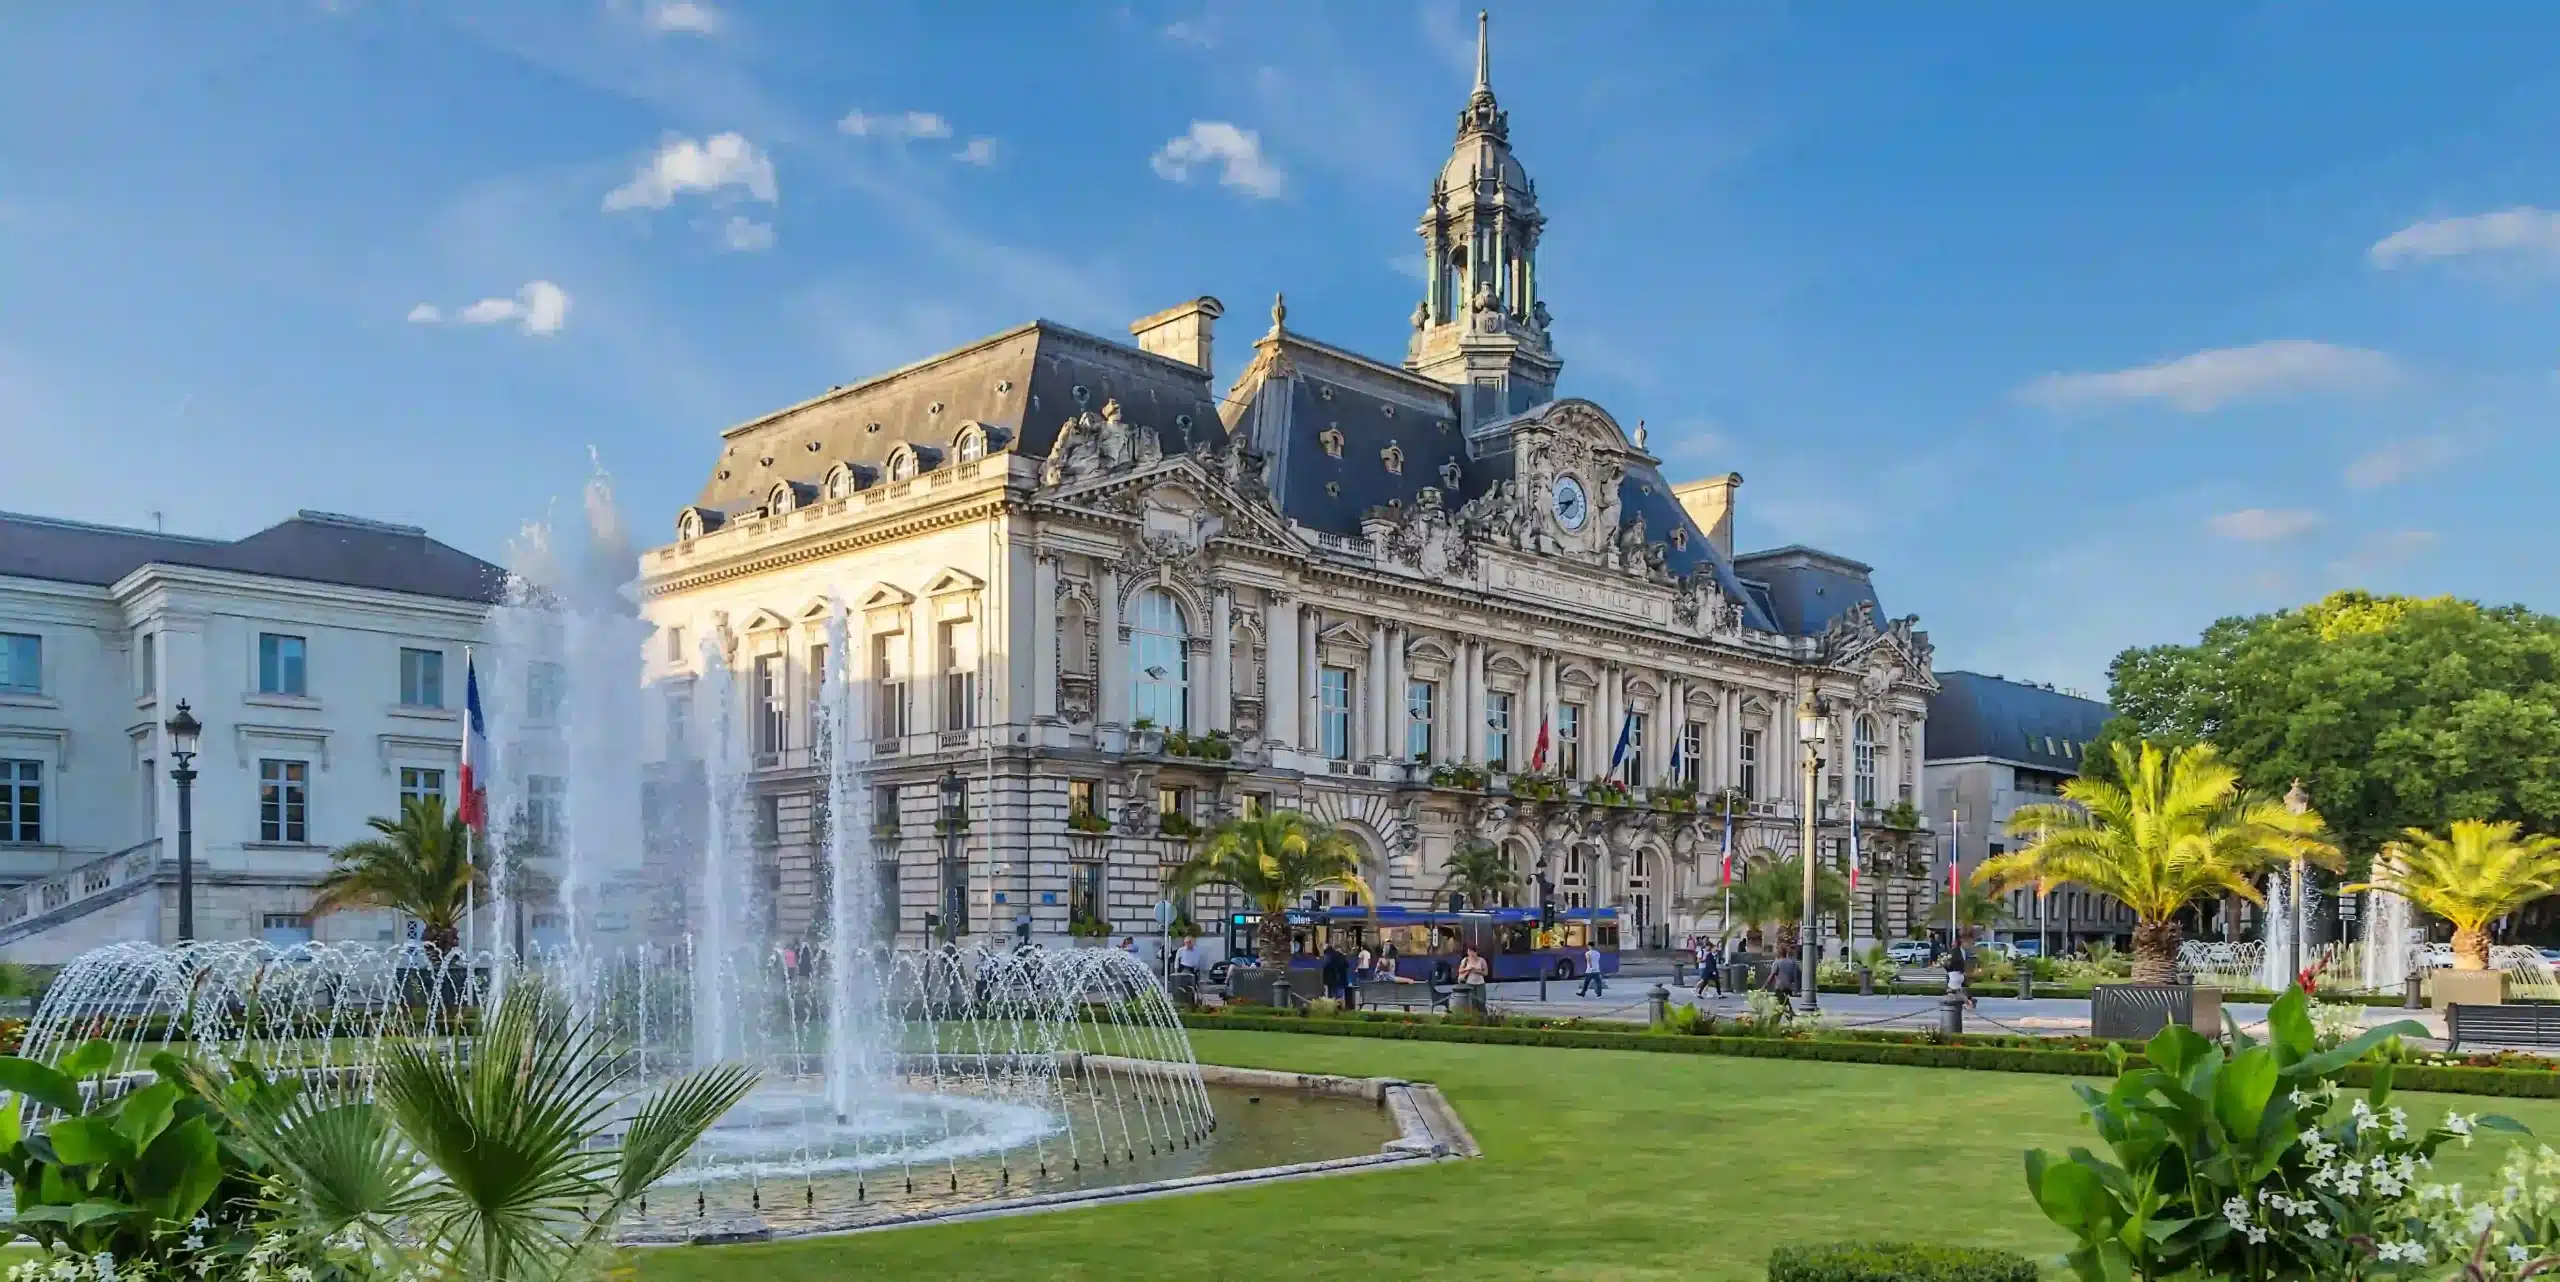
point(1121, 605)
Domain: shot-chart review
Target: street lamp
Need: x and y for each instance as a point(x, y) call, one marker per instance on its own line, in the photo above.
point(1813, 730)
point(183, 729)
point(2297, 800)
point(955, 874)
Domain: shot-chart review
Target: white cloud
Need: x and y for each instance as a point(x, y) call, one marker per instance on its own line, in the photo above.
point(746, 235)
point(1197, 34)
point(980, 151)
point(904, 126)
point(2210, 379)
point(539, 308)
point(687, 17)
point(717, 165)
point(1237, 153)
point(2521, 230)
point(2264, 525)
point(2383, 550)
point(2395, 461)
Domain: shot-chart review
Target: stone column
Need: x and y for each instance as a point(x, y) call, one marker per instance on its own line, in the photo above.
point(1280, 670)
point(1448, 741)
point(1221, 702)
point(1671, 713)
point(1398, 637)
point(1044, 638)
point(1114, 677)
point(1473, 701)
point(1373, 708)
point(1310, 659)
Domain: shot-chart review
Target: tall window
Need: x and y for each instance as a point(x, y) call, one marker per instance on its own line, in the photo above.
point(1160, 660)
point(817, 686)
point(1173, 801)
point(679, 719)
point(1333, 712)
point(420, 784)
point(1693, 738)
point(675, 645)
point(546, 688)
point(1747, 766)
point(1084, 893)
point(1419, 696)
point(1251, 805)
point(1863, 749)
point(422, 678)
point(1497, 731)
point(971, 446)
point(546, 811)
point(22, 801)
point(150, 663)
point(280, 665)
point(21, 662)
point(1080, 797)
point(1634, 762)
point(889, 685)
point(284, 802)
point(959, 644)
point(1569, 741)
point(771, 711)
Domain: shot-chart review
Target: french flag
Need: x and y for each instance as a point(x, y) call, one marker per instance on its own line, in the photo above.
point(475, 752)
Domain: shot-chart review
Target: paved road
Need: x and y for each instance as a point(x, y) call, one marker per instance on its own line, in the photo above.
point(2040, 1016)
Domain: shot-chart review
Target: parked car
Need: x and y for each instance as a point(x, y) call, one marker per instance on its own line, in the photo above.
point(1909, 952)
point(2027, 948)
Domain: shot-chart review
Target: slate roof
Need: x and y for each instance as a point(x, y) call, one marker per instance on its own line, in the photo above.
point(1359, 480)
point(316, 547)
point(1804, 588)
point(1973, 715)
point(1026, 381)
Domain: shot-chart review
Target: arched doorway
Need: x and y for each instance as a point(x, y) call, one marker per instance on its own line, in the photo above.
point(1643, 900)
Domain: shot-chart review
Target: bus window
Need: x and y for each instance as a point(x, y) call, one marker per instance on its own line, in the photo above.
point(1571, 934)
point(1518, 937)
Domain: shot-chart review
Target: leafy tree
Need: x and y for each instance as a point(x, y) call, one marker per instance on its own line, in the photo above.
point(2177, 830)
point(1977, 908)
point(1481, 872)
point(1771, 893)
point(419, 865)
point(2395, 712)
point(2473, 876)
point(1275, 860)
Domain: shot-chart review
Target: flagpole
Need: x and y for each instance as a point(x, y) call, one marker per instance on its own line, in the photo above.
point(470, 853)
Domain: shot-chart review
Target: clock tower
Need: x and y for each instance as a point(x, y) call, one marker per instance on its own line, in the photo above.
point(1481, 326)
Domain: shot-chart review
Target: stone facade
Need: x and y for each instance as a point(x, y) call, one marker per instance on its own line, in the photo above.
point(1423, 603)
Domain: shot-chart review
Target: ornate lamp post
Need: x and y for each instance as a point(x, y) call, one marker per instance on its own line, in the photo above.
point(2298, 800)
point(955, 822)
point(183, 729)
point(1813, 730)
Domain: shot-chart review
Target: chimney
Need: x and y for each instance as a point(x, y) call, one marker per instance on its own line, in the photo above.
point(1181, 333)
point(1710, 504)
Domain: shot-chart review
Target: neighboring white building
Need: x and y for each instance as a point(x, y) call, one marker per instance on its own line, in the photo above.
point(324, 658)
point(1122, 605)
point(1996, 745)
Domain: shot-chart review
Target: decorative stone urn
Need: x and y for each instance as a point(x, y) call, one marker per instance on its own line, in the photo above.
point(2469, 987)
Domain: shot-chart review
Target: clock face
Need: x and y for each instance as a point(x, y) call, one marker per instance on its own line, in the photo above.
point(1572, 507)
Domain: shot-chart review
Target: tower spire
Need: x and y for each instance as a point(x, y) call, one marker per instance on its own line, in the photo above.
point(1484, 54)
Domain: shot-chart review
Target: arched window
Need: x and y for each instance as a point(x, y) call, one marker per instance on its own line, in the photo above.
point(840, 482)
point(902, 464)
point(1160, 660)
point(970, 446)
point(1865, 753)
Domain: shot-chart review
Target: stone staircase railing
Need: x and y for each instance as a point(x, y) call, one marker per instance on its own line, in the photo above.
point(94, 880)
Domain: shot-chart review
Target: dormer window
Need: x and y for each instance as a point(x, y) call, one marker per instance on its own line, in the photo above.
point(1679, 538)
point(1331, 438)
point(839, 482)
point(970, 445)
point(902, 464)
point(1393, 457)
point(778, 501)
point(694, 522)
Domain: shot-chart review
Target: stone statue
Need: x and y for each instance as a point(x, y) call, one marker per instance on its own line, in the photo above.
point(1118, 451)
point(1538, 316)
point(1631, 543)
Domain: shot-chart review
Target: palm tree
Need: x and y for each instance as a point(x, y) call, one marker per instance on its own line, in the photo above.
point(2478, 873)
point(2176, 829)
point(1275, 860)
point(1481, 872)
point(1976, 908)
point(1771, 893)
point(419, 865)
point(496, 1168)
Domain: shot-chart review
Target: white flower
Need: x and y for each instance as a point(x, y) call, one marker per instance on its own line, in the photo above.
point(2457, 1123)
point(2317, 1230)
point(2517, 1253)
point(2257, 1236)
point(193, 1242)
point(2481, 1217)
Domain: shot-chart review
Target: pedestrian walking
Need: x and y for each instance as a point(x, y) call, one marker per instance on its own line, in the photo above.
point(1786, 979)
point(1337, 975)
point(1955, 979)
point(1710, 973)
point(1593, 984)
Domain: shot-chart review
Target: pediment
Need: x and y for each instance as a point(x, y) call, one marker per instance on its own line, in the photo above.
point(883, 595)
point(950, 581)
point(1187, 491)
point(767, 621)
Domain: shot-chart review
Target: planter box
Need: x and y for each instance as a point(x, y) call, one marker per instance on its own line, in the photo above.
point(2133, 1012)
point(2469, 987)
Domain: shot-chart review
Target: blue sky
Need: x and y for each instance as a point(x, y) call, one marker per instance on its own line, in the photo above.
point(2084, 325)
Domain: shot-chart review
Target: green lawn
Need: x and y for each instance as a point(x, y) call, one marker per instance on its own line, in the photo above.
point(1600, 1164)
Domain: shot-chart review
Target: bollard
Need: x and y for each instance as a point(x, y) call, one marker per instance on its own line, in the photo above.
point(1660, 999)
point(2413, 993)
point(1866, 982)
point(2026, 982)
point(1280, 993)
point(1675, 973)
point(1951, 1014)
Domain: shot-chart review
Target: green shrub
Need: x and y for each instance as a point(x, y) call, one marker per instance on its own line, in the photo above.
point(1896, 1262)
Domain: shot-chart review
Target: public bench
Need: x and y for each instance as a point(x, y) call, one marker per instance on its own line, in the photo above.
point(1388, 992)
point(2501, 1025)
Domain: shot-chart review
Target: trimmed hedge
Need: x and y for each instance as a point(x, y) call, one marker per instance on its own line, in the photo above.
point(2513, 1083)
point(1897, 1262)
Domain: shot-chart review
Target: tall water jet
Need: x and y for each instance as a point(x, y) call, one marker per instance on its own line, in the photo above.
point(2278, 935)
point(855, 1015)
point(727, 865)
point(2386, 936)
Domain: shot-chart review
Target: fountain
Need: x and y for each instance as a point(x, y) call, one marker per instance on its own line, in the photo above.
point(956, 1072)
point(2275, 954)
